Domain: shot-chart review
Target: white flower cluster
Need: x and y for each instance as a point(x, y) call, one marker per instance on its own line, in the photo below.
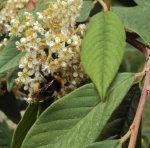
point(51, 45)
point(8, 11)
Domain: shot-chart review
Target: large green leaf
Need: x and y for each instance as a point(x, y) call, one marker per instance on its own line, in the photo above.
point(2, 75)
point(106, 144)
point(115, 124)
point(136, 19)
point(44, 105)
point(102, 49)
point(5, 135)
point(88, 5)
point(24, 125)
point(133, 60)
point(8, 104)
point(122, 118)
point(10, 56)
point(78, 118)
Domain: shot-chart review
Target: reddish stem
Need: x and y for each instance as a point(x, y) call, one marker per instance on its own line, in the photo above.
point(137, 44)
point(138, 116)
point(131, 39)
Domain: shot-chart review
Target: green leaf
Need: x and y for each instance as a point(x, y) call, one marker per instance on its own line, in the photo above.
point(145, 138)
point(88, 5)
point(2, 75)
point(44, 105)
point(8, 104)
point(24, 125)
point(136, 19)
point(133, 60)
point(122, 118)
point(78, 118)
point(134, 96)
point(10, 56)
point(5, 135)
point(102, 49)
point(42, 4)
point(106, 144)
point(10, 79)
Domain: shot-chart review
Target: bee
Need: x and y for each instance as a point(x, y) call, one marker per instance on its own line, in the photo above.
point(46, 89)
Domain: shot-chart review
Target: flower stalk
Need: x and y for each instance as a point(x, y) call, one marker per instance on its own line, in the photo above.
point(108, 2)
point(104, 5)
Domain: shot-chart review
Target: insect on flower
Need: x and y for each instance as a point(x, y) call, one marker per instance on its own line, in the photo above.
point(46, 89)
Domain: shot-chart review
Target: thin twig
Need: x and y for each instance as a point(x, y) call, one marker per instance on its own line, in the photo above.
point(131, 39)
point(108, 2)
point(138, 116)
point(140, 46)
point(104, 5)
point(134, 128)
point(125, 137)
point(140, 74)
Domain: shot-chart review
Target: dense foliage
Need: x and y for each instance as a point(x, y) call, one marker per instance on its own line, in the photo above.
point(79, 69)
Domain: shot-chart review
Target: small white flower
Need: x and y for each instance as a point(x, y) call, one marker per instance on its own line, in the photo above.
point(19, 74)
point(35, 61)
point(23, 40)
point(17, 43)
point(35, 35)
point(64, 49)
point(31, 72)
point(57, 40)
point(76, 43)
point(64, 64)
point(25, 87)
point(74, 82)
point(5, 39)
point(21, 66)
point(69, 41)
point(29, 100)
point(47, 34)
point(75, 74)
point(51, 43)
point(37, 74)
point(35, 27)
point(30, 64)
point(23, 80)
